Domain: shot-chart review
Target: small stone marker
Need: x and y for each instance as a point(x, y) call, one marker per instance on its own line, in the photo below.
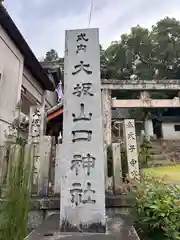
point(44, 159)
point(58, 167)
point(82, 165)
point(36, 132)
point(131, 147)
point(117, 167)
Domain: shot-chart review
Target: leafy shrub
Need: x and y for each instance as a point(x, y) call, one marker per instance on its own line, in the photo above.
point(157, 209)
point(14, 208)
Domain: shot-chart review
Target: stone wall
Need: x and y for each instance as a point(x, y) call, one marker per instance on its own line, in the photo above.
point(40, 209)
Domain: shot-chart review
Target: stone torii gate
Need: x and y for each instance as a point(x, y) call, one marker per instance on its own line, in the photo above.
point(108, 85)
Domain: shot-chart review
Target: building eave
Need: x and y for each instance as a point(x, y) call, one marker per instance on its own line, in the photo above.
point(53, 69)
point(55, 111)
point(30, 60)
point(55, 108)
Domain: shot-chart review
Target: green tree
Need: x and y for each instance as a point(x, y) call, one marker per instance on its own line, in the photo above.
point(103, 62)
point(166, 44)
point(118, 64)
point(51, 55)
point(146, 54)
point(139, 50)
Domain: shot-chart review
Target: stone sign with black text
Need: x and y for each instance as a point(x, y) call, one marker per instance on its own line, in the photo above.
point(82, 165)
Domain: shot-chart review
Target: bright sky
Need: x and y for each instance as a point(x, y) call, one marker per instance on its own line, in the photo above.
point(43, 22)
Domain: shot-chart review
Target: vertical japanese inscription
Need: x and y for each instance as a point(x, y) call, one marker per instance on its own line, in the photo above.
point(82, 89)
point(81, 42)
point(79, 90)
point(131, 147)
point(35, 126)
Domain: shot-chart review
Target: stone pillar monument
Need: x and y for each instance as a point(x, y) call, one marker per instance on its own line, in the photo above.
point(82, 165)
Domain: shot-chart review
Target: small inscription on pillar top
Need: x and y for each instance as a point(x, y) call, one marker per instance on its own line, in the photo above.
point(81, 42)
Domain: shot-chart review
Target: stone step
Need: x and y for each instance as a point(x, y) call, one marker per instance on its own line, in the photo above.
point(157, 146)
point(155, 151)
point(159, 163)
point(160, 156)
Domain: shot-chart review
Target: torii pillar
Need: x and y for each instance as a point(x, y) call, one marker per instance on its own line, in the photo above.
point(107, 115)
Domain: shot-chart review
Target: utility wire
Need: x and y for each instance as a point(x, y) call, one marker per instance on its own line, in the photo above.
point(90, 13)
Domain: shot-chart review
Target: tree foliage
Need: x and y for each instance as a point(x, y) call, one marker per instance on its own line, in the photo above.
point(146, 54)
point(14, 209)
point(51, 55)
